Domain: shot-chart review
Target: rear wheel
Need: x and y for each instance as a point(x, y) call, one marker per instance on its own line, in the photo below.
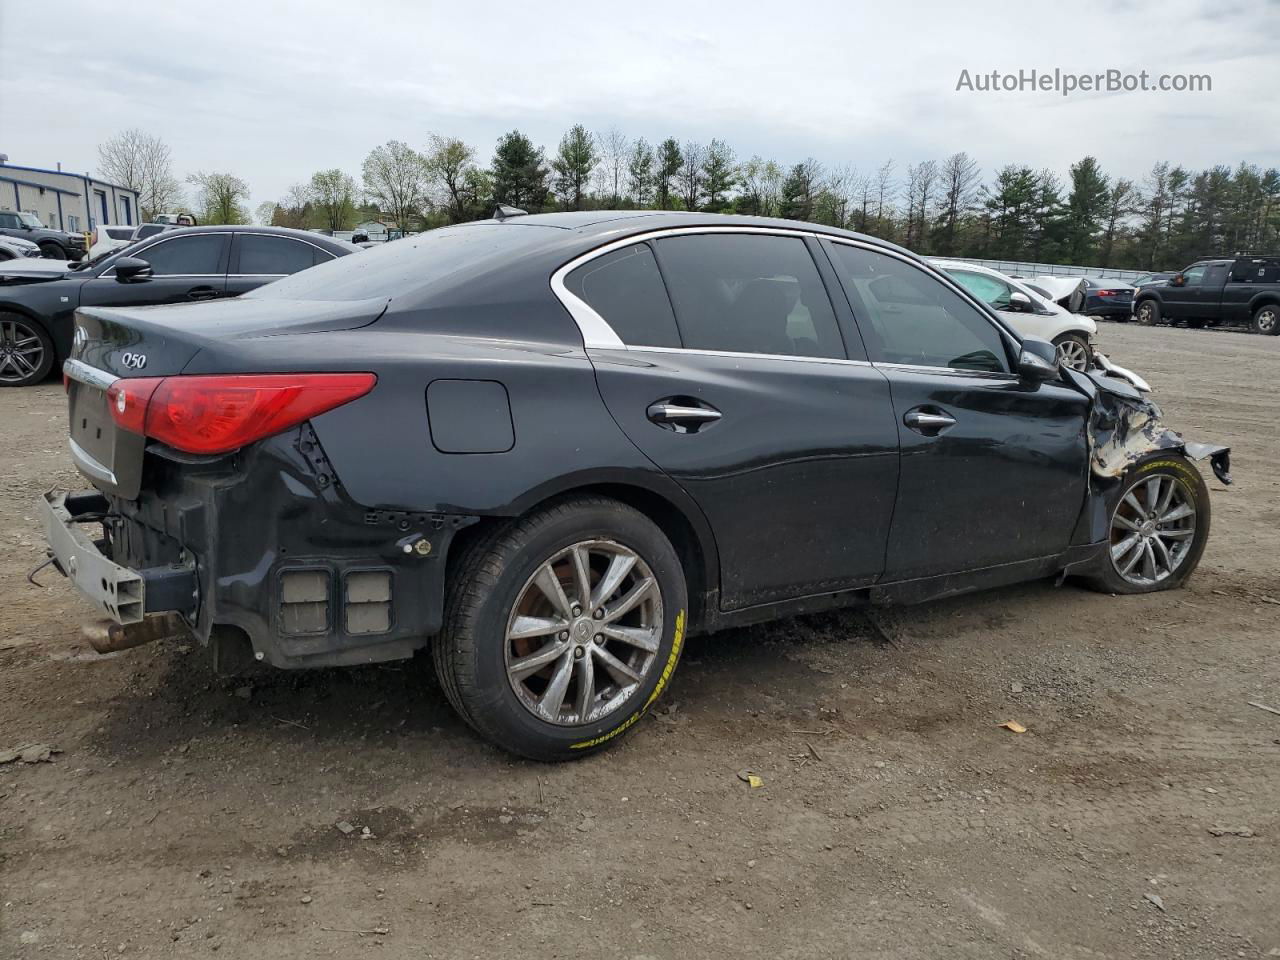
point(1267, 320)
point(562, 628)
point(1073, 351)
point(26, 352)
point(1148, 313)
point(1159, 527)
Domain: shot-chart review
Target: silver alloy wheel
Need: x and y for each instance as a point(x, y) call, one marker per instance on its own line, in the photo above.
point(1074, 354)
point(1153, 529)
point(1267, 319)
point(584, 632)
point(21, 352)
point(1145, 310)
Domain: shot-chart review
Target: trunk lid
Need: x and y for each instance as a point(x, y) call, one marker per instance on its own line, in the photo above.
point(119, 343)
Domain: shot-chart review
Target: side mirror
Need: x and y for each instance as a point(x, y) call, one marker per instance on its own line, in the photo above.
point(1019, 302)
point(1038, 360)
point(132, 270)
point(1178, 281)
point(27, 227)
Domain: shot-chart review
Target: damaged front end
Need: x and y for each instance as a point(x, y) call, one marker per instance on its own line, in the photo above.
point(1126, 425)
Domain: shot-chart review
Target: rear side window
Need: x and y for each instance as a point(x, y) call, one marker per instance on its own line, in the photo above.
point(273, 255)
point(625, 288)
point(148, 230)
point(749, 293)
point(185, 255)
point(120, 233)
point(907, 316)
point(1256, 270)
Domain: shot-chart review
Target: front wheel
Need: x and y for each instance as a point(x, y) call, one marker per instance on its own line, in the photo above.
point(1148, 313)
point(1159, 527)
point(52, 251)
point(1267, 320)
point(1073, 351)
point(562, 628)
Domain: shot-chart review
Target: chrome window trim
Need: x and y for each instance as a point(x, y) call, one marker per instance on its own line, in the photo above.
point(948, 371)
point(740, 355)
point(81, 372)
point(596, 332)
point(161, 276)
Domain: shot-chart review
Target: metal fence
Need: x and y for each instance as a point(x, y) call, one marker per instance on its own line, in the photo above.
point(1015, 268)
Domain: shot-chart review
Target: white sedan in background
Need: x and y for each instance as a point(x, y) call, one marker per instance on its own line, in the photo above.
point(1027, 312)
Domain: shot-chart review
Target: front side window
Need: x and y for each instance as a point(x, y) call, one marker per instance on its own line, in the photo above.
point(625, 288)
point(277, 256)
point(1194, 275)
point(907, 316)
point(185, 256)
point(749, 293)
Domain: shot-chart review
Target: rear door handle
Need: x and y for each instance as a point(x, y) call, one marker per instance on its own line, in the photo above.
point(928, 421)
point(682, 417)
point(202, 293)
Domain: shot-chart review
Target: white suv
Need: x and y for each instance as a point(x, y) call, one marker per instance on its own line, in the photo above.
point(1027, 312)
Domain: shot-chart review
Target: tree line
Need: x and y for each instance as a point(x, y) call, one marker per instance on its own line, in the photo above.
point(945, 207)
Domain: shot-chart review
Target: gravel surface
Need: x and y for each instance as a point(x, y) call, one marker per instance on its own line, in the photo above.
point(348, 813)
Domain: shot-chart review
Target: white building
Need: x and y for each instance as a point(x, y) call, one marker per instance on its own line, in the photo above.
point(66, 201)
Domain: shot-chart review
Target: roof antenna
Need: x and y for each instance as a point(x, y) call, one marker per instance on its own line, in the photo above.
point(503, 212)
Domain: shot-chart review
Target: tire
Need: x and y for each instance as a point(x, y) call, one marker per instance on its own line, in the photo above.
point(1073, 351)
point(1266, 320)
point(1147, 313)
point(495, 586)
point(52, 251)
point(26, 352)
point(1146, 480)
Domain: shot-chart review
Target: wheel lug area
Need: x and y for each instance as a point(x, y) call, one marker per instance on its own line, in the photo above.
point(579, 652)
point(564, 634)
point(599, 638)
point(599, 614)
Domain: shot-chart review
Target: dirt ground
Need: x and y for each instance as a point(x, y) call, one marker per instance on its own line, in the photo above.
point(1139, 815)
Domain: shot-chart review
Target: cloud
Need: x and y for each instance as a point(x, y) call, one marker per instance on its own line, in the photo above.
point(273, 92)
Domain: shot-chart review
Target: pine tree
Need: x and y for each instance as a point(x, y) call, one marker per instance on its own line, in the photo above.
point(519, 173)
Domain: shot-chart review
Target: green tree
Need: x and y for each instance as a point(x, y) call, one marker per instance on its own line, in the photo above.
point(395, 179)
point(719, 175)
point(800, 190)
point(670, 160)
point(333, 194)
point(519, 173)
point(761, 186)
point(450, 163)
point(222, 197)
point(573, 164)
point(640, 172)
point(1086, 210)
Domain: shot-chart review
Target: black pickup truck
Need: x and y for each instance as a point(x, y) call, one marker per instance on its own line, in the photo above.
point(1209, 292)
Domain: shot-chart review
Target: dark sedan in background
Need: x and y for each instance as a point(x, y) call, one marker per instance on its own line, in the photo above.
point(198, 263)
point(1107, 298)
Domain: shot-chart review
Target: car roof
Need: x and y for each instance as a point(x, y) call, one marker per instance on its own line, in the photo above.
point(307, 235)
point(599, 223)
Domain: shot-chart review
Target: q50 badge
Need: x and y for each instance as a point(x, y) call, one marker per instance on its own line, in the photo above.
point(134, 361)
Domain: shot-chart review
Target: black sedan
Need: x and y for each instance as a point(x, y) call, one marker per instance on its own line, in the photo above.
point(37, 300)
point(550, 448)
point(1107, 298)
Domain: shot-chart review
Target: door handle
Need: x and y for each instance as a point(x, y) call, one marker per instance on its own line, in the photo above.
point(683, 417)
point(928, 421)
point(202, 293)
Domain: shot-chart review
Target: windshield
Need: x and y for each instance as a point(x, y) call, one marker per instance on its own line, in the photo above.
point(90, 262)
point(31, 220)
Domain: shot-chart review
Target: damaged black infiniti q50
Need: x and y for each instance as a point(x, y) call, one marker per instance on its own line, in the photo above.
point(549, 448)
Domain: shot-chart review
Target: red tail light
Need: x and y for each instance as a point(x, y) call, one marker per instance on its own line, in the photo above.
point(1108, 293)
point(214, 414)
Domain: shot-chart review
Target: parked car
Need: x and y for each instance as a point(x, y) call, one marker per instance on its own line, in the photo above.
point(37, 299)
point(15, 248)
point(151, 229)
point(1234, 290)
point(110, 236)
point(1029, 313)
point(552, 447)
point(1107, 298)
point(1146, 279)
point(54, 244)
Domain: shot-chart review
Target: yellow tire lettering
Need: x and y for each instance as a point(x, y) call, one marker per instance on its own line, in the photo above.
point(676, 643)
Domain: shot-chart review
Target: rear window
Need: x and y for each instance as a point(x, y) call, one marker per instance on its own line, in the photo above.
point(120, 233)
point(626, 289)
point(1256, 270)
point(264, 255)
point(401, 267)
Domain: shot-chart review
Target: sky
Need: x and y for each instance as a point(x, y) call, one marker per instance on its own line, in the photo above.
point(273, 91)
